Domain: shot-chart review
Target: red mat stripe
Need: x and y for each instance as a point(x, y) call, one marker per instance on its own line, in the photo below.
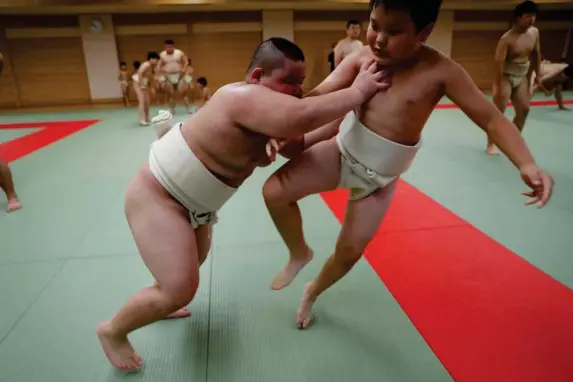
point(532, 103)
point(488, 315)
point(51, 132)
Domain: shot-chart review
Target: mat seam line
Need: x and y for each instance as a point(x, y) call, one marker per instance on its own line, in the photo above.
point(33, 302)
point(209, 305)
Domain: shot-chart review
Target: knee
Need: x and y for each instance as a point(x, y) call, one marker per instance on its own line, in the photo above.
point(273, 191)
point(179, 294)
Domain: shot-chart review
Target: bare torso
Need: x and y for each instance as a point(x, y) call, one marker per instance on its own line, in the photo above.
point(347, 46)
point(228, 150)
point(520, 45)
point(400, 113)
point(123, 75)
point(172, 63)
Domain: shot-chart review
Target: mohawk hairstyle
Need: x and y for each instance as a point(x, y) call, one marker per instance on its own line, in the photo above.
point(270, 54)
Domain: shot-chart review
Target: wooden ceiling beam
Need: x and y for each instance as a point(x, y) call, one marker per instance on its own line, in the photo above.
point(146, 6)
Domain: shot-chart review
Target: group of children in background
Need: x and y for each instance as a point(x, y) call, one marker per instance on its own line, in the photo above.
point(145, 85)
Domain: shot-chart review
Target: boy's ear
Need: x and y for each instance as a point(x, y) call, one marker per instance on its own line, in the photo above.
point(425, 33)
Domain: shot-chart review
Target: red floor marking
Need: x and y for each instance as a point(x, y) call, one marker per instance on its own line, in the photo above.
point(487, 314)
point(532, 103)
point(51, 132)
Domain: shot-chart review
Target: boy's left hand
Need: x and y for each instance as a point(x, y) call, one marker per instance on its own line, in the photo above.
point(541, 184)
point(274, 146)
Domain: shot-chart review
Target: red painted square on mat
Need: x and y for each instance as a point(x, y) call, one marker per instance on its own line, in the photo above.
point(487, 314)
point(51, 132)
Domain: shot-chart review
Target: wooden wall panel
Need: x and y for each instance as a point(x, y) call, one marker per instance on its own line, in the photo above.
point(223, 57)
point(491, 16)
point(8, 90)
point(475, 51)
point(316, 47)
point(342, 16)
point(39, 21)
point(552, 44)
point(186, 18)
point(49, 71)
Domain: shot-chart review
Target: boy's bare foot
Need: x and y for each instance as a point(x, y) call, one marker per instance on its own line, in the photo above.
point(181, 313)
point(118, 351)
point(491, 150)
point(13, 205)
point(304, 314)
point(287, 275)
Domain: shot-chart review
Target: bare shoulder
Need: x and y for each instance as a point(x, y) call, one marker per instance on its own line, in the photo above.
point(239, 95)
point(534, 31)
point(444, 67)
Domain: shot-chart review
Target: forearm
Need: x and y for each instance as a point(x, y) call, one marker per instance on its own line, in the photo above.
point(322, 134)
point(509, 140)
point(315, 112)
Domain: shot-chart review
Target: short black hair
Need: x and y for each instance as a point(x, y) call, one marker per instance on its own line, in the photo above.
point(350, 23)
point(270, 54)
point(422, 12)
point(202, 81)
point(122, 63)
point(524, 8)
point(152, 55)
point(136, 64)
point(169, 42)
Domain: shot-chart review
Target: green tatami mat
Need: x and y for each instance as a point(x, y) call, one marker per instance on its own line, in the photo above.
point(360, 333)
point(56, 340)
point(453, 169)
point(10, 134)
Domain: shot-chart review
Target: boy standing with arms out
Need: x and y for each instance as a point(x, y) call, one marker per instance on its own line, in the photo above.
point(377, 142)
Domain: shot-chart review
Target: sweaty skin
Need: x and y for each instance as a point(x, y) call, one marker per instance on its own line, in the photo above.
point(229, 135)
point(399, 115)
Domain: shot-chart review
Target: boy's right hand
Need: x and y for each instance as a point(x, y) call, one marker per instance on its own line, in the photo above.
point(370, 80)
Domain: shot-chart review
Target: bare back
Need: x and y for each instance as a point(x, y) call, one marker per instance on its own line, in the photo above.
point(520, 45)
point(229, 151)
point(400, 113)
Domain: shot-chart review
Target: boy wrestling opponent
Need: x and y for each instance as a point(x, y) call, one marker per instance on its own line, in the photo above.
point(198, 165)
point(378, 141)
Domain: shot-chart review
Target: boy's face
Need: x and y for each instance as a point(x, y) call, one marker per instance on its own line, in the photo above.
point(153, 61)
point(200, 85)
point(286, 80)
point(526, 20)
point(392, 35)
point(353, 31)
point(123, 67)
